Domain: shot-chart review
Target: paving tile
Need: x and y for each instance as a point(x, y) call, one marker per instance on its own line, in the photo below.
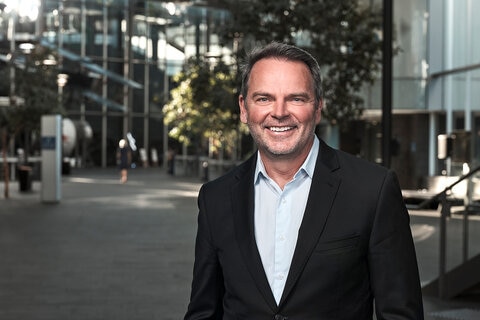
point(125, 251)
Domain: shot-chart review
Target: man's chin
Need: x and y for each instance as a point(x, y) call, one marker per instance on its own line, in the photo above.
point(281, 152)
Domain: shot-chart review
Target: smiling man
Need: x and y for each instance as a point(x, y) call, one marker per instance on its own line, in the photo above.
point(300, 230)
point(281, 112)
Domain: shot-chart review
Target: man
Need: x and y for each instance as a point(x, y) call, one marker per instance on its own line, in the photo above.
point(300, 230)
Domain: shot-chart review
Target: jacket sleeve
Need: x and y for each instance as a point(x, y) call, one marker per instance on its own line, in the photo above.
point(392, 258)
point(207, 286)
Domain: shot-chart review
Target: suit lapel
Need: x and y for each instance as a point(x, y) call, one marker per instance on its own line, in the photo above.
point(321, 197)
point(243, 197)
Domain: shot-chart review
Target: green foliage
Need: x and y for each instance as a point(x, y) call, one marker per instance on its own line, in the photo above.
point(36, 86)
point(344, 36)
point(203, 105)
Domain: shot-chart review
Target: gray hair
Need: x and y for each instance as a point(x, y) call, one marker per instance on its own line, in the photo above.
point(286, 52)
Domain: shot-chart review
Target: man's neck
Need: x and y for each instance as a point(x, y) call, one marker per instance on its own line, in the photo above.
point(282, 170)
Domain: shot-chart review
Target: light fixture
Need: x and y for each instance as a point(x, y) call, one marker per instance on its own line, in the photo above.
point(62, 79)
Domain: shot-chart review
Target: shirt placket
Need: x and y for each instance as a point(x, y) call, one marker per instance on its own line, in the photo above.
point(281, 249)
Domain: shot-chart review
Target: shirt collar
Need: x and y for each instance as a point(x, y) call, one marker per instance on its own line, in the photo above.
point(308, 165)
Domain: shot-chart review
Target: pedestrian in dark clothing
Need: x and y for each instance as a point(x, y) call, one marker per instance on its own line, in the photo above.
point(124, 158)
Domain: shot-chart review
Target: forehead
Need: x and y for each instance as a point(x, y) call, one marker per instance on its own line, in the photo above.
point(280, 72)
point(279, 62)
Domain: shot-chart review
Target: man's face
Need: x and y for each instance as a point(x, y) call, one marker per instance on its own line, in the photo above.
point(280, 109)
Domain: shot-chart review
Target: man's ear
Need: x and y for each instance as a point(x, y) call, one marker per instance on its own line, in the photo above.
point(243, 109)
point(318, 112)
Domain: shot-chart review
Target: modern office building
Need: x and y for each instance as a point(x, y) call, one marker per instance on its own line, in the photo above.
point(436, 87)
point(120, 55)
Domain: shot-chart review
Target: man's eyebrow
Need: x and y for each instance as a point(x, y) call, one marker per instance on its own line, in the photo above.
point(291, 95)
point(261, 93)
point(305, 95)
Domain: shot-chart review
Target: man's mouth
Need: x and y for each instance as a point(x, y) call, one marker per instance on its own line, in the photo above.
point(280, 129)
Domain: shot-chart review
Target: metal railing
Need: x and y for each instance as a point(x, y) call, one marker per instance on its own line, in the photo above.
point(445, 212)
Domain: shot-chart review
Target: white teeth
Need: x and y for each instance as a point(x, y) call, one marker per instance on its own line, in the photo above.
point(280, 129)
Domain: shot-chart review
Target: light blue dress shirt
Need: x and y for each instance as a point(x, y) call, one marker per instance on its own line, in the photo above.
point(278, 215)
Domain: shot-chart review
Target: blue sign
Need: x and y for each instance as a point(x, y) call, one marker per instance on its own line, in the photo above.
point(48, 143)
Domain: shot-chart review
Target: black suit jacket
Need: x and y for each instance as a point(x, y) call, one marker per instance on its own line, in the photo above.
point(354, 247)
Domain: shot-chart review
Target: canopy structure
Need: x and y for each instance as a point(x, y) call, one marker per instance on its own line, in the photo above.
point(89, 65)
point(109, 103)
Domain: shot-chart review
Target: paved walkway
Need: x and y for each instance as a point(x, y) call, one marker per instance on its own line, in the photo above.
point(113, 251)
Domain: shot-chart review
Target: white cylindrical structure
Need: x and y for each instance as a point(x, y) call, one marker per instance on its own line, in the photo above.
point(51, 133)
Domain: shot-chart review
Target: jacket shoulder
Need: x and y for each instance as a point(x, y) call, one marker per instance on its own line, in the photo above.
point(241, 171)
point(350, 168)
point(338, 160)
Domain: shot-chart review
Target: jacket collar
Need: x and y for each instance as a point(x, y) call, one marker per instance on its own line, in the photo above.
point(320, 200)
point(243, 211)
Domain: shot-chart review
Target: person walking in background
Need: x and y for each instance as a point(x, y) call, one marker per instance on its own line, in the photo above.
point(124, 159)
point(300, 230)
point(171, 161)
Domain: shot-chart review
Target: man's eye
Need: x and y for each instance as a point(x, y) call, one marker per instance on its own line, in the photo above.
point(298, 101)
point(262, 100)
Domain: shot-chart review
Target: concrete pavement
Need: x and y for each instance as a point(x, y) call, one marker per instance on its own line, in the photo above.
point(125, 251)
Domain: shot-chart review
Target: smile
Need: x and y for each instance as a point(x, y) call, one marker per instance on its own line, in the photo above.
point(280, 129)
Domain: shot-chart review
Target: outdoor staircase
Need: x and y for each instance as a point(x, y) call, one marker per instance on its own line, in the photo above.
point(466, 276)
point(457, 281)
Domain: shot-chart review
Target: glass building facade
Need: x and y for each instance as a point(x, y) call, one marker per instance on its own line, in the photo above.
point(436, 87)
point(119, 56)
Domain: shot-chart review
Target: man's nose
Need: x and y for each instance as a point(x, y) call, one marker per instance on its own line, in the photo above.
point(280, 109)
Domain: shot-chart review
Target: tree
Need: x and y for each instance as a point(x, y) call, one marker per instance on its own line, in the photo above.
point(36, 85)
point(202, 105)
point(344, 36)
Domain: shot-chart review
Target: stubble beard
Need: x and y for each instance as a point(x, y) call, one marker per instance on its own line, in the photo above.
point(273, 149)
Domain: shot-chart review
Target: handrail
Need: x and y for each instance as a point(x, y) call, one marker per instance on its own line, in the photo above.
point(454, 70)
point(444, 213)
point(424, 204)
